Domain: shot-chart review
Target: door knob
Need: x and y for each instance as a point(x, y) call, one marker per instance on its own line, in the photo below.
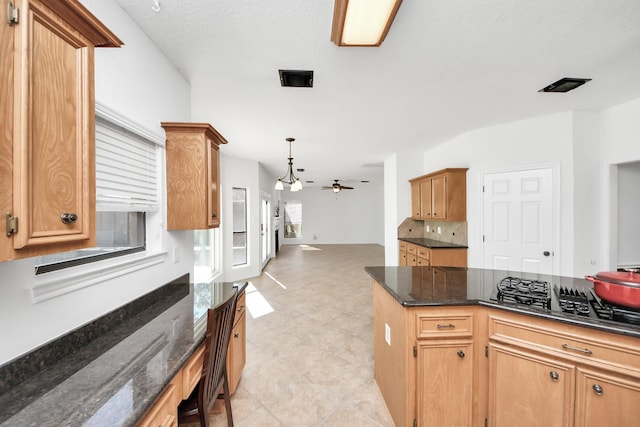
point(546, 253)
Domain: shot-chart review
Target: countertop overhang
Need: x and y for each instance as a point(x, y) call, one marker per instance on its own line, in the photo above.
point(431, 243)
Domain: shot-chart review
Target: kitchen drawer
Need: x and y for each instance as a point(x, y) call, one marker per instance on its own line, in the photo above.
point(411, 249)
point(446, 326)
point(423, 252)
point(163, 412)
point(422, 262)
point(572, 342)
point(402, 246)
point(192, 371)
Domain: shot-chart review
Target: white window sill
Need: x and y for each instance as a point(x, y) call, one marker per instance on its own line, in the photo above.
point(60, 282)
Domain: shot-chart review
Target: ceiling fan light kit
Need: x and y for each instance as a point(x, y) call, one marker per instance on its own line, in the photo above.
point(289, 178)
point(336, 187)
point(362, 22)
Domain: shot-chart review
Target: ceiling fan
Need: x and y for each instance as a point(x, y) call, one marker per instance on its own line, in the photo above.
point(336, 187)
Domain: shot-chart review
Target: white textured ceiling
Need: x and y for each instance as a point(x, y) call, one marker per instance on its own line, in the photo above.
point(446, 67)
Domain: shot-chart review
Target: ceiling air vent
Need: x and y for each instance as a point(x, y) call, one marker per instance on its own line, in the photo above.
point(564, 85)
point(296, 78)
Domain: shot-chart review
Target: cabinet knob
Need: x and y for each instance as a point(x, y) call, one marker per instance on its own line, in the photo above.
point(236, 335)
point(460, 354)
point(68, 218)
point(597, 389)
point(554, 375)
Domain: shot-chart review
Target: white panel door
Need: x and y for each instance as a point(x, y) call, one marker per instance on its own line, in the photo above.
point(518, 221)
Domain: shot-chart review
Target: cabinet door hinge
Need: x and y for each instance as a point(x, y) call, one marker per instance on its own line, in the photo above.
point(486, 351)
point(415, 422)
point(415, 351)
point(483, 188)
point(486, 422)
point(12, 13)
point(12, 224)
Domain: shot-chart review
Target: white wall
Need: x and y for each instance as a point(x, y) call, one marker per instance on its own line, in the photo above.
point(348, 217)
point(240, 173)
point(628, 218)
point(139, 83)
point(619, 143)
point(540, 141)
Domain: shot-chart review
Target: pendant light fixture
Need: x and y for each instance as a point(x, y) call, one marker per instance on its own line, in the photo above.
point(289, 177)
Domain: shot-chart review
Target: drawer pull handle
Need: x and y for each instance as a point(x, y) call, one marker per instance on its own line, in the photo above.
point(460, 354)
point(597, 389)
point(554, 375)
point(581, 350)
point(449, 326)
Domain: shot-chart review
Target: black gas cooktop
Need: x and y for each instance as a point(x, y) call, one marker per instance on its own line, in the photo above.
point(581, 302)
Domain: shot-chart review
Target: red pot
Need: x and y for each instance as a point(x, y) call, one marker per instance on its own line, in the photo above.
point(618, 287)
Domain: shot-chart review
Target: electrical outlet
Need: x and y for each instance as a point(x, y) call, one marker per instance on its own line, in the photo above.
point(176, 254)
point(387, 334)
point(439, 230)
point(428, 229)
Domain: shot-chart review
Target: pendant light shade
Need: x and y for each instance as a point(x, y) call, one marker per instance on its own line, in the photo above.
point(289, 177)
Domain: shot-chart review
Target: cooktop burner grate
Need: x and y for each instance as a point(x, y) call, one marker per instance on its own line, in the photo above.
point(605, 310)
point(572, 300)
point(524, 291)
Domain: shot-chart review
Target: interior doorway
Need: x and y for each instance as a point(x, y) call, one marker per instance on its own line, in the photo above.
point(518, 224)
point(265, 230)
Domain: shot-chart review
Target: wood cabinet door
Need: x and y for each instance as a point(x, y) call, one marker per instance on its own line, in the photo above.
point(426, 199)
point(237, 355)
point(416, 204)
point(213, 176)
point(439, 197)
point(54, 132)
point(527, 390)
point(604, 399)
point(444, 383)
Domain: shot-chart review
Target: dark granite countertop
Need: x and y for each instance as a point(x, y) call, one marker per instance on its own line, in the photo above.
point(432, 244)
point(469, 286)
point(115, 378)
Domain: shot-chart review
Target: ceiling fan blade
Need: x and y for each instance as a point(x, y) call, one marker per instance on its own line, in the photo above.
point(346, 188)
point(326, 188)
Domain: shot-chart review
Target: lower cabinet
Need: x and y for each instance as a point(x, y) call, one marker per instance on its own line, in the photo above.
point(237, 354)
point(547, 374)
point(528, 390)
point(478, 366)
point(411, 254)
point(605, 399)
point(444, 383)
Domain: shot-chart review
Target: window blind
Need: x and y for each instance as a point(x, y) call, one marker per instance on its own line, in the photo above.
point(126, 170)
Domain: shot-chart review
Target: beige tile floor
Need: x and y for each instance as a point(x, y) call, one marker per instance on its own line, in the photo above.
point(310, 360)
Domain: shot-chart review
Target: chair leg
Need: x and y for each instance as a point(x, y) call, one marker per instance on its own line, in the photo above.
point(227, 399)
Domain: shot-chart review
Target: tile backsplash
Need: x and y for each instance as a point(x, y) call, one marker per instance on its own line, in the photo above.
point(450, 231)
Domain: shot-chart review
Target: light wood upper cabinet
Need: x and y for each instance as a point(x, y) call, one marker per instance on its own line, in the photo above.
point(193, 176)
point(440, 195)
point(47, 145)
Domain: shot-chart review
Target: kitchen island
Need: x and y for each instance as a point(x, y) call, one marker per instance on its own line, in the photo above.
point(449, 351)
point(121, 371)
